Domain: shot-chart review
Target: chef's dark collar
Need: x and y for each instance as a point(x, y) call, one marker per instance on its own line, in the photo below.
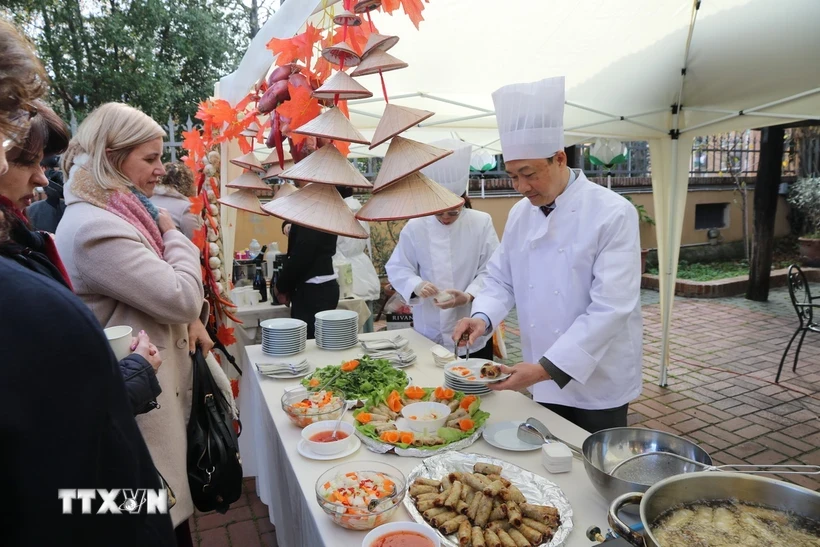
point(547, 209)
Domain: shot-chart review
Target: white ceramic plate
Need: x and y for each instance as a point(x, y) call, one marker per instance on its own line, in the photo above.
point(283, 323)
point(336, 315)
point(303, 449)
point(504, 435)
point(471, 368)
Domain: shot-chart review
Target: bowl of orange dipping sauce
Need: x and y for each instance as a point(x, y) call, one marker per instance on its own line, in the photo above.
point(402, 534)
point(319, 437)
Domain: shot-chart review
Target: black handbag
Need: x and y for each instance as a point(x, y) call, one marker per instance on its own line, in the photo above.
point(214, 464)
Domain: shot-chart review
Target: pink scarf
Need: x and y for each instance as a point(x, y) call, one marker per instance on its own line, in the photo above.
point(126, 205)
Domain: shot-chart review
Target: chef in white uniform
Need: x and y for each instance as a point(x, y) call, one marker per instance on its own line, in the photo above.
point(569, 261)
point(445, 253)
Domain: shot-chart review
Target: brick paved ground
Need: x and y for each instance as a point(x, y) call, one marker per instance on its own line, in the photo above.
point(721, 394)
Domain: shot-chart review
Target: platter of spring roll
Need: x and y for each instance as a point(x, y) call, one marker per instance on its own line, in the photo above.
point(473, 500)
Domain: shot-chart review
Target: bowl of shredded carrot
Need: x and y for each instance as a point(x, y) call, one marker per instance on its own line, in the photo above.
point(305, 407)
point(345, 493)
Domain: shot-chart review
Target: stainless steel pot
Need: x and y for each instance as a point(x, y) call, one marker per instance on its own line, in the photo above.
point(707, 486)
point(605, 449)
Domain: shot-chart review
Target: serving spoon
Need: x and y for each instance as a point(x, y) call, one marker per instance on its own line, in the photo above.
point(528, 433)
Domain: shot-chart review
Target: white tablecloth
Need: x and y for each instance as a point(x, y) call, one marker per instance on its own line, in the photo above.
point(286, 480)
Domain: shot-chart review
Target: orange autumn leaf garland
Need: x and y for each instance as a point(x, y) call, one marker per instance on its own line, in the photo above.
point(412, 8)
point(300, 109)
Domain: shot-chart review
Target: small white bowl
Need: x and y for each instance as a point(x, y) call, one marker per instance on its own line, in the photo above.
point(420, 409)
point(334, 447)
point(391, 527)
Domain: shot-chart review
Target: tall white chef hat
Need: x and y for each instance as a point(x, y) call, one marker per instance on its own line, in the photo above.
point(530, 119)
point(452, 172)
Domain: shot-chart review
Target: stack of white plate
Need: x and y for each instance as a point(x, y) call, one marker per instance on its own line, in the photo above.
point(283, 336)
point(470, 388)
point(296, 368)
point(465, 375)
point(337, 329)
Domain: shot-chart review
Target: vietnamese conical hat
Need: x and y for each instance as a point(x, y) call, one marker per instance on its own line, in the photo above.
point(378, 61)
point(274, 170)
point(395, 120)
point(243, 199)
point(348, 18)
point(320, 207)
point(341, 84)
point(251, 130)
point(332, 124)
point(273, 158)
point(405, 156)
point(378, 42)
point(249, 161)
point(249, 180)
point(410, 197)
point(327, 166)
point(284, 189)
point(337, 53)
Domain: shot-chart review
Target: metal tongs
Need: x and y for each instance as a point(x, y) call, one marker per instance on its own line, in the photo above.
point(742, 468)
point(464, 338)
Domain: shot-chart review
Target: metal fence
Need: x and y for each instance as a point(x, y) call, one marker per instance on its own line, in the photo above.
point(172, 147)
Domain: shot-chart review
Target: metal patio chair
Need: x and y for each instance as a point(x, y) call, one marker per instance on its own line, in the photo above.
point(804, 306)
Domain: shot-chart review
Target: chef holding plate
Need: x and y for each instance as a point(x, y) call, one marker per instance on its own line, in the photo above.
point(569, 261)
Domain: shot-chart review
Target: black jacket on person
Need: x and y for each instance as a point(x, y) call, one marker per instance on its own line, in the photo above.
point(65, 423)
point(310, 254)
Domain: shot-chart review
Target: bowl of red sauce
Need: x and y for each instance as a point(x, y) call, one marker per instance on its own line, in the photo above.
point(319, 437)
point(402, 534)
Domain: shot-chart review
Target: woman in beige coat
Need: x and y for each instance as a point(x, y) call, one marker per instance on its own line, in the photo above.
point(131, 266)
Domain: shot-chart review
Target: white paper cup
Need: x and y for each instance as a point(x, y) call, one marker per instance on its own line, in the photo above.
point(120, 340)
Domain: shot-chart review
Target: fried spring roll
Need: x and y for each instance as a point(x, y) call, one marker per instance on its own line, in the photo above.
point(464, 532)
point(473, 481)
point(512, 493)
point(513, 513)
point(430, 513)
point(518, 538)
point(490, 370)
point(427, 482)
point(466, 489)
point(493, 488)
point(485, 507)
point(418, 489)
point(533, 536)
point(376, 417)
point(497, 525)
point(453, 405)
point(454, 496)
point(425, 505)
point(441, 518)
point(442, 497)
point(505, 539)
point(386, 427)
point(478, 537)
point(491, 539)
point(499, 478)
point(384, 411)
point(428, 496)
point(541, 513)
point(462, 507)
point(469, 497)
point(450, 526)
point(497, 513)
point(473, 509)
point(446, 483)
point(455, 476)
point(487, 469)
point(539, 526)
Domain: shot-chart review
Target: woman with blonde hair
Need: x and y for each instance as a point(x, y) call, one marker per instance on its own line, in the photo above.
point(173, 193)
point(131, 266)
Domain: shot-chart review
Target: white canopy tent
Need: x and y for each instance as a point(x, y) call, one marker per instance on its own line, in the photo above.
point(664, 71)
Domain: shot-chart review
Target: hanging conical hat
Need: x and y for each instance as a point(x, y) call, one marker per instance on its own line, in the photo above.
point(395, 120)
point(332, 124)
point(273, 158)
point(404, 157)
point(249, 180)
point(243, 199)
point(334, 54)
point(274, 170)
point(347, 17)
point(378, 42)
point(320, 207)
point(249, 161)
point(413, 196)
point(344, 86)
point(327, 166)
point(251, 130)
point(284, 189)
point(378, 61)
point(363, 6)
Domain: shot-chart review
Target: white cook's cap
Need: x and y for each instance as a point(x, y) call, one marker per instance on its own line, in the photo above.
point(452, 172)
point(530, 119)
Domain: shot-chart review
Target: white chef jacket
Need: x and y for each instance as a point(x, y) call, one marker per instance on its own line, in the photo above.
point(574, 277)
point(365, 279)
point(449, 257)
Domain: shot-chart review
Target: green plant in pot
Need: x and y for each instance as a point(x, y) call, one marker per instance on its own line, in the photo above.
point(643, 218)
point(804, 197)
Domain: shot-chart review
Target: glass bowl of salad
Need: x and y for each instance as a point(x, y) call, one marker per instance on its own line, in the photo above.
point(345, 493)
point(305, 407)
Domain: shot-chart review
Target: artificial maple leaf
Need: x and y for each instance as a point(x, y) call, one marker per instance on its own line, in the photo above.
point(322, 69)
point(225, 335)
point(245, 145)
point(191, 163)
point(235, 388)
point(286, 51)
point(301, 108)
point(196, 206)
point(199, 238)
point(343, 147)
point(192, 142)
point(304, 42)
point(389, 6)
point(221, 112)
point(413, 9)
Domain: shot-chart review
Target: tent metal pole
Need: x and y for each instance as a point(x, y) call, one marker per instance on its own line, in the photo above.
point(581, 107)
point(712, 122)
point(380, 99)
point(592, 124)
point(456, 103)
point(658, 111)
point(784, 116)
point(646, 125)
point(362, 113)
point(461, 119)
point(784, 100)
